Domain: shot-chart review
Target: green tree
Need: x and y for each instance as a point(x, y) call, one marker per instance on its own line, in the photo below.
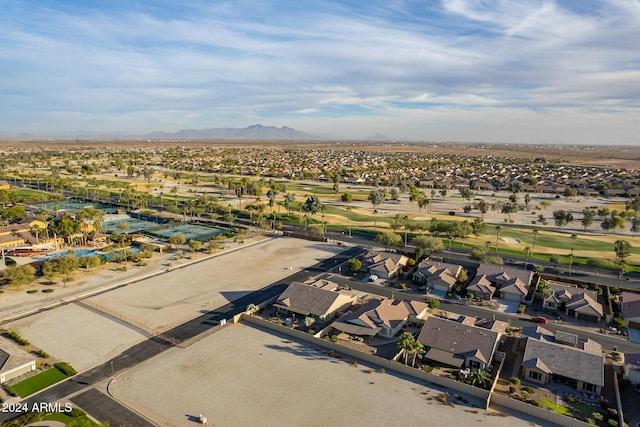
point(389, 240)
point(424, 243)
point(177, 240)
point(478, 226)
point(288, 201)
point(312, 205)
point(623, 250)
point(19, 275)
point(562, 218)
point(376, 197)
point(588, 216)
point(195, 245)
point(354, 265)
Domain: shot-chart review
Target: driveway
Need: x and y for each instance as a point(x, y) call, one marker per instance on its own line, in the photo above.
point(508, 306)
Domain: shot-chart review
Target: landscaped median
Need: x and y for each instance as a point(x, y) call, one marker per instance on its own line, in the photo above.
point(41, 380)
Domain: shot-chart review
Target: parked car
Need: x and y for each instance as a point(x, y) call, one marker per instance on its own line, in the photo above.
point(539, 319)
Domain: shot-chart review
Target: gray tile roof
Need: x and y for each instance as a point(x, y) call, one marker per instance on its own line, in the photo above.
point(306, 299)
point(567, 361)
point(457, 338)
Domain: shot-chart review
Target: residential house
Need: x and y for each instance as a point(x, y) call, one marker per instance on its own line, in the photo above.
point(384, 265)
point(438, 276)
point(320, 302)
point(381, 317)
point(14, 361)
point(514, 290)
point(565, 359)
point(631, 309)
point(511, 283)
point(481, 287)
point(632, 368)
point(458, 344)
point(577, 302)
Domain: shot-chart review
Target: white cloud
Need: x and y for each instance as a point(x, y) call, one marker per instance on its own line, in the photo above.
point(215, 64)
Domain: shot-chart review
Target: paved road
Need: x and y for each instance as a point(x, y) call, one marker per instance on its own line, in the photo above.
point(104, 408)
point(156, 345)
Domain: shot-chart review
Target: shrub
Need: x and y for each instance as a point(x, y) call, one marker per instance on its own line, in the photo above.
point(47, 291)
point(512, 389)
point(612, 422)
point(17, 338)
point(76, 413)
point(32, 291)
point(43, 354)
point(433, 302)
point(618, 322)
point(381, 370)
point(529, 389)
point(591, 421)
point(65, 369)
point(403, 286)
point(571, 399)
point(522, 308)
point(536, 403)
point(514, 380)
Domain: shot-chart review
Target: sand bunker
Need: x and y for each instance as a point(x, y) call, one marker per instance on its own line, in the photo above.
point(511, 240)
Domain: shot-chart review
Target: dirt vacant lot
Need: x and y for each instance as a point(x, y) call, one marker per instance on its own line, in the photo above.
point(77, 335)
point(182, 294)
point(244, 376)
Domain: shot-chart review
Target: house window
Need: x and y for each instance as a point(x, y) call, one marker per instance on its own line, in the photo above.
point(588, 387)
point(535, 375)
point(474, 364)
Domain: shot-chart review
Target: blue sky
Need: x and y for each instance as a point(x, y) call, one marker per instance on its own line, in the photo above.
point(441, 70)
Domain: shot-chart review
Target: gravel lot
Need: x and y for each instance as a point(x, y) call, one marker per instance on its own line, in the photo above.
point(77, 335)
point(244, 376)
point(182, 294)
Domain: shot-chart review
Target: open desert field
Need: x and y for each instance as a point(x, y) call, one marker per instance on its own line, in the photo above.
point(244, 376)
point(182, 294)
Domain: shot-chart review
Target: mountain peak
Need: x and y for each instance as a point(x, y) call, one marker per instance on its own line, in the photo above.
point(253, 132)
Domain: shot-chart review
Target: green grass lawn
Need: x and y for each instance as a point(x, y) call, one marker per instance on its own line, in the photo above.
point(562, 410)
point(584, 408)
point(38, 382)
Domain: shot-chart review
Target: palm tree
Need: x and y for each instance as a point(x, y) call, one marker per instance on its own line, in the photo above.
point(535, 238)
point(481, 377)
point(498, 230)
point(406, 343)
point(418, 350)
point(573, 244)
point(36, 229)
point(349, 219)
point(527, 250)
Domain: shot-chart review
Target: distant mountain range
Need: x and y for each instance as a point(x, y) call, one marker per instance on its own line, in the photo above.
point(253, 132)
